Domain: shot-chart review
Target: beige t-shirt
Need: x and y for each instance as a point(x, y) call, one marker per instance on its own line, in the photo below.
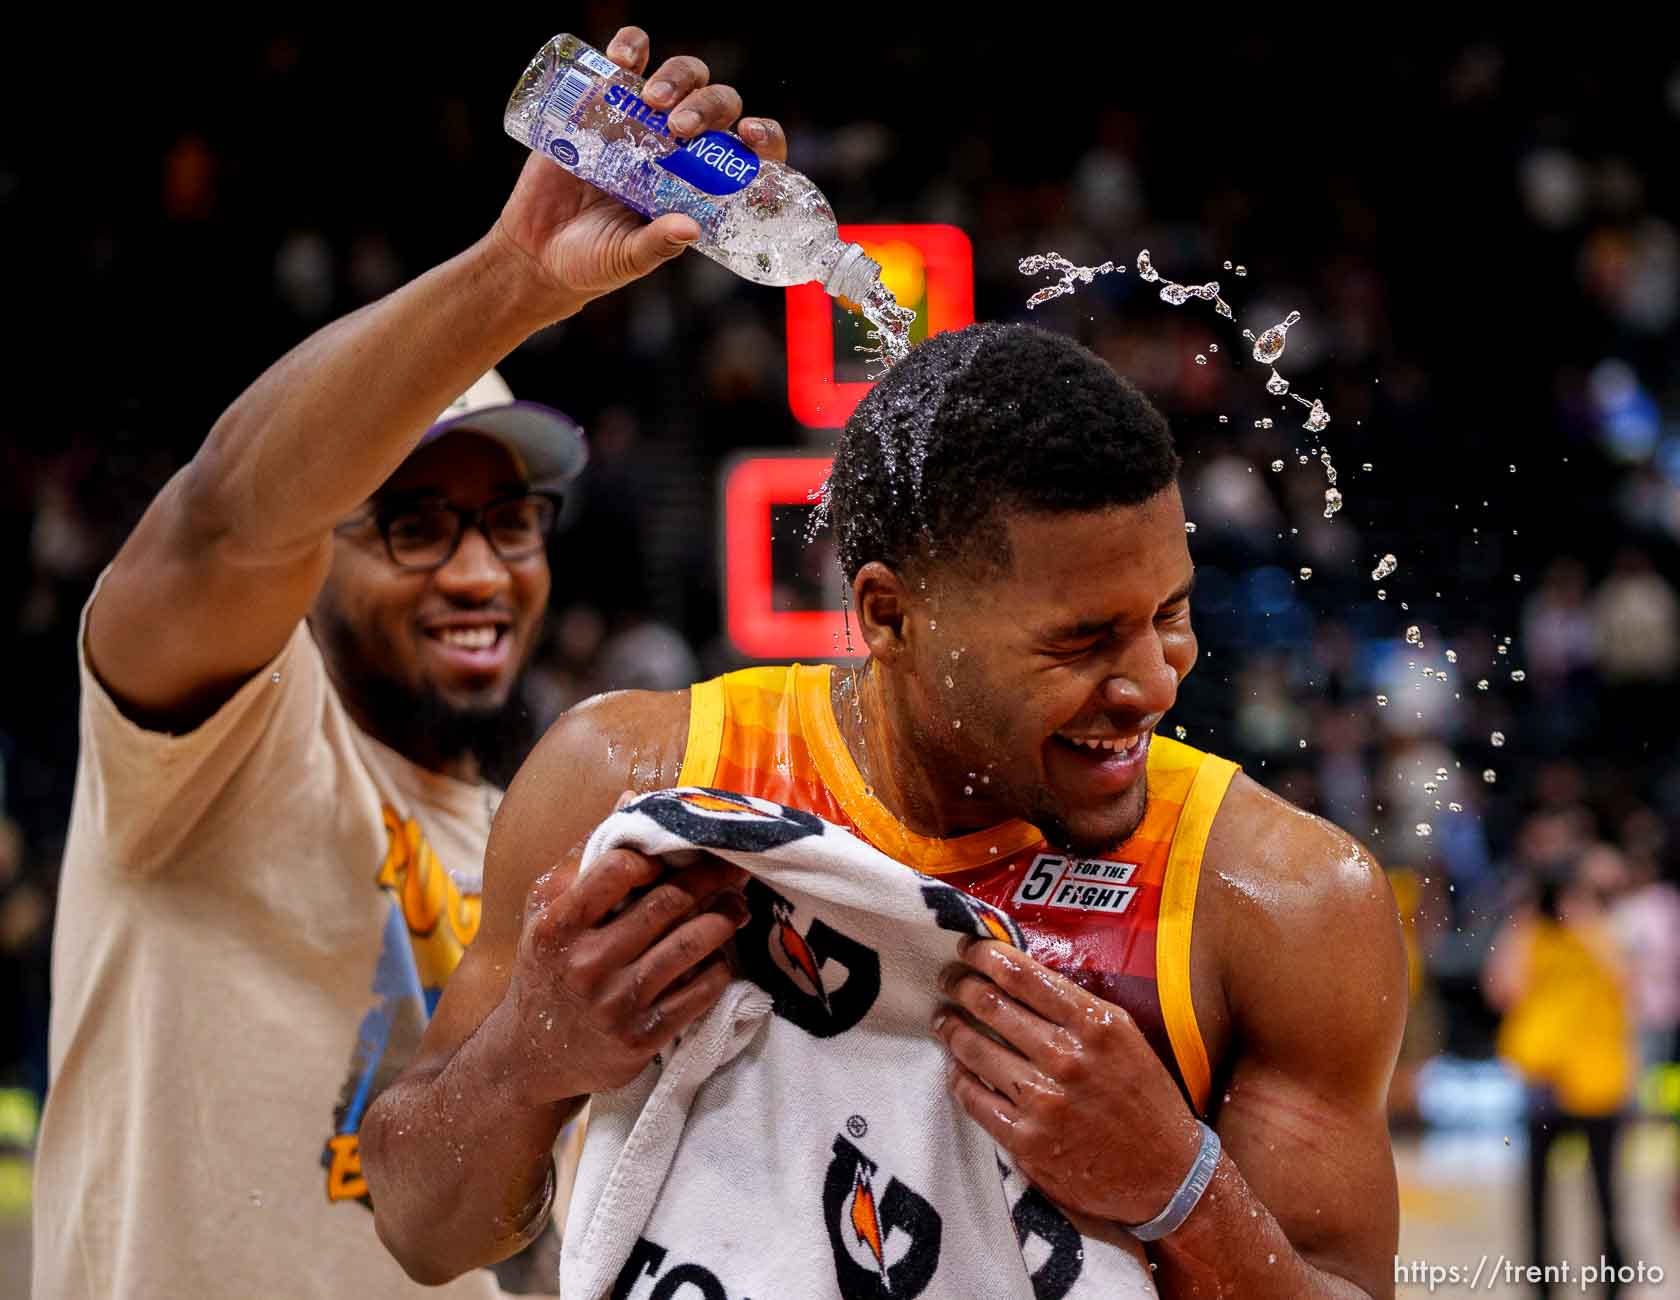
point(255, 920)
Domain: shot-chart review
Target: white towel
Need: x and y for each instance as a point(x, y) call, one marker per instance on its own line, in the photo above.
point(799, 1141)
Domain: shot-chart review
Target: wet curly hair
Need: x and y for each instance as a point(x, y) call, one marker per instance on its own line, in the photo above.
point(980, 421)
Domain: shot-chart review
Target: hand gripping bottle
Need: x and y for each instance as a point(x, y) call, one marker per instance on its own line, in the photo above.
point(762, 220)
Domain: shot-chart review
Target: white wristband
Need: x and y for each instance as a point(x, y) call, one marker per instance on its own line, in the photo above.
point(1189, 1192)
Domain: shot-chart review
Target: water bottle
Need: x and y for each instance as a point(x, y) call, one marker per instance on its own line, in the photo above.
point(763, 220)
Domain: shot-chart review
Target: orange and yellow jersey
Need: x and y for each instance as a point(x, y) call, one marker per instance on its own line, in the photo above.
point(1119, 925)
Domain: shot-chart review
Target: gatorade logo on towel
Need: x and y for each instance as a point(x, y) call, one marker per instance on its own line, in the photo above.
point(821, 980)
point(884, 1235)
point(954, 910)
point(717, 819)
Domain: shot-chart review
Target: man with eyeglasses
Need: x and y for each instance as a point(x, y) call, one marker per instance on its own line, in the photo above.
point(278, 835)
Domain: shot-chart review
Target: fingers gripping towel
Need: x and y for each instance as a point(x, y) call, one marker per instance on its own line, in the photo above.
point(799, 1141)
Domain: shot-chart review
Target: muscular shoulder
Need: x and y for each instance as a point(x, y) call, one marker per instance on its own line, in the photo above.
point(1308, 937)
point(624, 740)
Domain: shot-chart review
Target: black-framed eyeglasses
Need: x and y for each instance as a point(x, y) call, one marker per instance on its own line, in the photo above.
point(425, 535)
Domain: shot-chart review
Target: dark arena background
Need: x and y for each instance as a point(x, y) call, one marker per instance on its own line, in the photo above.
point(1477, 227)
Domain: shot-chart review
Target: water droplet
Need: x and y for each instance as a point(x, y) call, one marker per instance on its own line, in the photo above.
point(1513, 469)
point(1242, 270)
point(968, 789)
point(1424, 830)
point(1385, 566)
point(933, 625)
point(1519, 676)
point(1224, 419)
point(956, 722)
point(1271, 1258)
point(1452, 656)
point(1317, 418)
point(1213, 347)
point(1269, 346)
point(1277, 385)
point(1227, 267)
point(1366, 467)
point(1489, 775)
point(256, 1198)
point(1332, 501)
point(948, 682)
point(1382, 701)
point(1381, 594)
point(955, 655)
point(1200, 359)
point(1414, 635)
point(1456, 807)
point(1429, 787)
point(1504, 648)
point(1145, 268)
point(1441, 774)
point(1498, 739)
point(1482, 685)
point(1189, 527)
point(1180, 732)
point(1303, 744)
point(1277, 467)
point(275, 678)
point(1263, 424)
point(1174, 295)
point(1305, 574)
point(1516, 577)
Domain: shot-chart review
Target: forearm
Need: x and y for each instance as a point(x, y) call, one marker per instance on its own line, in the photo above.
point(1231, 1245)
point(325, 425)
point(456, 1161)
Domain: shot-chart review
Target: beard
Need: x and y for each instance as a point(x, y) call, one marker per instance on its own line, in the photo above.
point(418, 720)
point(428, 723)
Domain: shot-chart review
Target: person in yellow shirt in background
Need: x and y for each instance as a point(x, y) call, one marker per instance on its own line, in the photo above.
point(1556, 974)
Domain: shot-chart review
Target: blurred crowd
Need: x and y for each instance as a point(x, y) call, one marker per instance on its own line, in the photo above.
point(1490, 299)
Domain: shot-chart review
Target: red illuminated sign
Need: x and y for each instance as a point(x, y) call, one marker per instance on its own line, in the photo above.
point(752, 489)
point(928, 268)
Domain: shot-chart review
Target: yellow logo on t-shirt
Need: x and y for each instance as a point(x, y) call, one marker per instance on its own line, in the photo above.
point(429, 927)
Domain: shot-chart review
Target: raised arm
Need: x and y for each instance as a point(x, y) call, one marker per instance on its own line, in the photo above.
point(235, 548)
point(561, 994)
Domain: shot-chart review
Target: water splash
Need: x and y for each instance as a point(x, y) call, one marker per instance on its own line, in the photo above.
point(1277, 385)
point(1332, 502)
point(1072, 276)
point(1385, 566)
point(1146, 268)
point(1269, 346)
point(890, 339)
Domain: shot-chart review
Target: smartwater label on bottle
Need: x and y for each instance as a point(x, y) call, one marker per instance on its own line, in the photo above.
point(714, 163)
